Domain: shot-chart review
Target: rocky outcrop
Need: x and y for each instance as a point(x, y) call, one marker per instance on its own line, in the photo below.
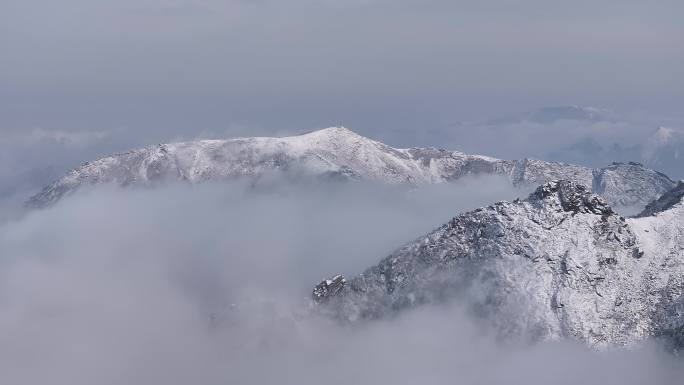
point(559, 264)
point(328, 288)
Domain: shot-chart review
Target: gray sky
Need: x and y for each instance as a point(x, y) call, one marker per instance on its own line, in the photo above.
point(164, 68)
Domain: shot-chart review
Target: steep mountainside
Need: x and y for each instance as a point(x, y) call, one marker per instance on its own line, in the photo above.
point(665, 202)
point(560, 264)
point(340, 153)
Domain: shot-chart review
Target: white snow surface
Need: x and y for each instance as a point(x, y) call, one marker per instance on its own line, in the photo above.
point(338, 152)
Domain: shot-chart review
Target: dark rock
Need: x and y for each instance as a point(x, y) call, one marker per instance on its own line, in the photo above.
point(665, 202)
point(328, 288)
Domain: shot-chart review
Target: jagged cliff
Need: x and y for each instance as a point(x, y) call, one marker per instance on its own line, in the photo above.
point(559, 264)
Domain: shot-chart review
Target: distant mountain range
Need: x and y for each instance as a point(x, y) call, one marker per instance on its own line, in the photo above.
point(339, 153)
point(660, 148)
point(553, 114)
point(663, 150)
point(587, 136)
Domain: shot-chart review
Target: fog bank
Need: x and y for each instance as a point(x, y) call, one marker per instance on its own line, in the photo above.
point(210, 285)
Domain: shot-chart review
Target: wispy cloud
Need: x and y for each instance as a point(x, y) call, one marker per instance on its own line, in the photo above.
point(67, 138)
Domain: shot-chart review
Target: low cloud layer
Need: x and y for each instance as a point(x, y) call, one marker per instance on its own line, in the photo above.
point(210, 285)
point(31, 158)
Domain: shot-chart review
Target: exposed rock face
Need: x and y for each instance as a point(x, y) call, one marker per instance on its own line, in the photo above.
point(560, 264)
point(341, 154)
point(665, 202)
point(328, 288)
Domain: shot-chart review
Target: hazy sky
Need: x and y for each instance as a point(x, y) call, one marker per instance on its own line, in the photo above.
point(80, 79)
point(160, 68)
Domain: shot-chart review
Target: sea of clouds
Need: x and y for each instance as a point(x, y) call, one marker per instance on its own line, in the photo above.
point(210, 284)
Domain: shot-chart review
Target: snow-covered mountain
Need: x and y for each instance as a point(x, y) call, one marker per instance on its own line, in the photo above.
point(337, 152)
point(559, 264)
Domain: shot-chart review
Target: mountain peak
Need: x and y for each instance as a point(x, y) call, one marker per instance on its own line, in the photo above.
point(334, 131)
point(533, 269)
point(573, 197)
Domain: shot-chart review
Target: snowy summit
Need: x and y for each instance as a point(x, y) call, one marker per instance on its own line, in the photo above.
point(338, 152)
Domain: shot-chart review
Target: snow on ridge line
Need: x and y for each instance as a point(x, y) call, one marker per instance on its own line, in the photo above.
point(340, 152)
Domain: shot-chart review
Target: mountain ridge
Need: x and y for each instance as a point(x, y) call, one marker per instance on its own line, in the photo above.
point(665, 201)
point(340, 153)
